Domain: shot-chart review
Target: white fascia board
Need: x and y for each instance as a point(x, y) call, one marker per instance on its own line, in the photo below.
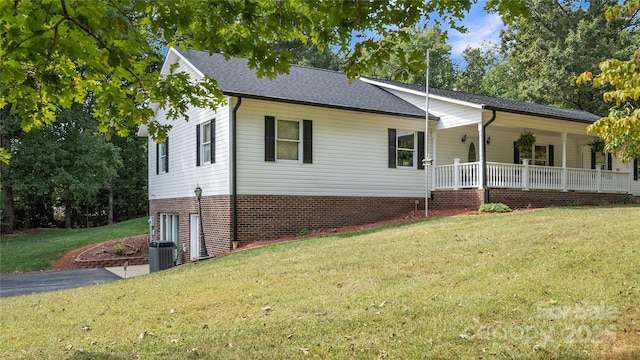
point(392, 87)
point(421, 93)
point(172, 56)
point(459, 102)
point(143, 131)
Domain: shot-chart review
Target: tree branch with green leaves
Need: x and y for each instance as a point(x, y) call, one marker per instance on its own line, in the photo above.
point(54, 53)
point(620, 129)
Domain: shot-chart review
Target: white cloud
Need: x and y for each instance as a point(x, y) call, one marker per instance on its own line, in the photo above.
point(480, 27)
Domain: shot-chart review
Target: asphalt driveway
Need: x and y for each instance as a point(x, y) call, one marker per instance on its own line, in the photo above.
point(30, 283)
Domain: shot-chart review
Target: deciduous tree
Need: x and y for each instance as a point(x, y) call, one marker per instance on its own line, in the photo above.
point(559, 39)
point(441, 71)
point(54, 53)
point(620, 128)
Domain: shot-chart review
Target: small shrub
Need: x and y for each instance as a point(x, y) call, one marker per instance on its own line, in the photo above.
point(601, 202)
point(629, 199)
point(574, 204)
point(494, 208)
point(304, 232)
point(118, 249)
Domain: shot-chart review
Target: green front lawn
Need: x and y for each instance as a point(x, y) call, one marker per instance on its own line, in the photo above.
point(551, 284)
point(40, 250)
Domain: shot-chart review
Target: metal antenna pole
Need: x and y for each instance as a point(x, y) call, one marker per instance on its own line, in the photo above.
point(426, 142)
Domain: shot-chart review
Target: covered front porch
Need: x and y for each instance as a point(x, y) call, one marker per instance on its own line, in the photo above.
point(469, 175)
point(562, 158)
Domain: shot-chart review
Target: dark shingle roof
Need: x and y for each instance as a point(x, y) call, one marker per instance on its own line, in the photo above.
point(512, 106)
point(303, 85)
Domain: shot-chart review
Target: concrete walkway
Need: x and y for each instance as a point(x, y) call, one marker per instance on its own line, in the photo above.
point(131, 271)
point(31, 283)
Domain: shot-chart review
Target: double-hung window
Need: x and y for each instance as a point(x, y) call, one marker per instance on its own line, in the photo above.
point(205, 143)
point(406, 149)
point(287, 140)
point(538, 155)
point(162, 157)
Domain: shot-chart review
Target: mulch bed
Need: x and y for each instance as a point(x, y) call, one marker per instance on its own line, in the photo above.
point(131, 247)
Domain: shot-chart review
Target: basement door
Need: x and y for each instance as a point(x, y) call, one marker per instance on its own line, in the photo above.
point(194, 226)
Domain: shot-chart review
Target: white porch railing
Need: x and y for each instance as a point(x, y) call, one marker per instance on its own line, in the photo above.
point(501, 175)
point(457, 175)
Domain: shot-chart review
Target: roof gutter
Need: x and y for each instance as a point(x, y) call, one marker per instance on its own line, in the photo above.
point(487, 195)
point(234, 175)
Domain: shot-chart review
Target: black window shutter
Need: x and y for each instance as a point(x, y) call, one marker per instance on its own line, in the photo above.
point(157, 158)
point(551, 155)
point(609, 162)
point(269, 138)
point(213, 141)
point(392, 148)
point(516, 153)
point(635, 169)
point(166, 155)
point(420, 149)
point(307, 142)
point(593, 159)
point(198, 145)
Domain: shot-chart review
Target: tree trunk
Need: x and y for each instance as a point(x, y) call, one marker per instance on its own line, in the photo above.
point(110, 210)
point(7, 216)
point(67, 214)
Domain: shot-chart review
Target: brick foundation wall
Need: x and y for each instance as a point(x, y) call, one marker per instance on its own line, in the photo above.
point(268, 217)
point(538, 198)
point(216, 214)
point(515, 199)
point(265, 217)
point(456, 199)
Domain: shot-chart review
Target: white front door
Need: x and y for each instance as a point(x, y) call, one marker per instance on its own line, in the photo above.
point(194, 243)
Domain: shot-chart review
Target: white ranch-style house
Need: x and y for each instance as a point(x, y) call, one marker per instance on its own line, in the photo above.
point(309, 150)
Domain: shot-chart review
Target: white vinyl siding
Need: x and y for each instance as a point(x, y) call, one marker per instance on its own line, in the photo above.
point(350, 154)
point(184, 175)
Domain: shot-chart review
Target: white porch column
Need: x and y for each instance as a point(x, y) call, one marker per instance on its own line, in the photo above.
point(630, 177)
point(434, 137)
point(456, 174)
point(564, 161)
point(525, 174)
point(481, 157)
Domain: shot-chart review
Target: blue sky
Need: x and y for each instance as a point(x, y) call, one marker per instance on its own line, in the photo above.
point(481, 26)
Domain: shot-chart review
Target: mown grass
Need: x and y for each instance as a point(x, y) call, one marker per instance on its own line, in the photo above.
point(558, 283)
point(40, 250)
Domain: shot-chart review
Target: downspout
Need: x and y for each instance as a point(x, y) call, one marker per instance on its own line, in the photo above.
point(484, 157)
point(234, 175)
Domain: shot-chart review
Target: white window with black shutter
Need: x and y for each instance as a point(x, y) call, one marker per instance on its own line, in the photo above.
point(406, 149)
point(288, 140)
point(542, 155)
point(162, 157)
point(205, 143)
point(601, 160)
